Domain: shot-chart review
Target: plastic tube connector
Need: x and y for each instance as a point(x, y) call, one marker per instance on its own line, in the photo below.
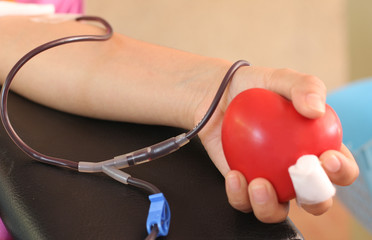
point(140, 156)
point(116, 174)
point(154, 151)
point(159, 214)
point(91, 167)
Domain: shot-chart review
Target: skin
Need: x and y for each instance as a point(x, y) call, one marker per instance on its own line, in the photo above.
point(124, 79)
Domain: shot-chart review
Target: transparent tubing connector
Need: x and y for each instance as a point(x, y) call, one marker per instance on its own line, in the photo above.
point(139, 156)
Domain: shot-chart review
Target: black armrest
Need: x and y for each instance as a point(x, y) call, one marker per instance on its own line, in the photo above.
point(39, 201)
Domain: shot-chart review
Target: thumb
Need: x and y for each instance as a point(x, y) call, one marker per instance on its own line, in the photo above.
point(307, 92)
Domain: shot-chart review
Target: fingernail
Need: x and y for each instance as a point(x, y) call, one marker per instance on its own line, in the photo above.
point(315, 102)
point(260, 194)
point(332, 164)
point(233, 182)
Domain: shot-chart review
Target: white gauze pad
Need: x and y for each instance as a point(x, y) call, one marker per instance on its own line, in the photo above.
point(310, 181)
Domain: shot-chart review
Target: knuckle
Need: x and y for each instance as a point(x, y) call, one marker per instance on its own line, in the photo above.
point(240, 205)
point(285, 70)
point(356, 174)
point(349, 176)
point(313, 82)
point(303, 82)
point(268, 217)
point(348, 173)
point(272, 213)
point(306, 84)
point(319, 211)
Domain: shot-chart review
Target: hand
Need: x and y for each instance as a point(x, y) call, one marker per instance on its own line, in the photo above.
point(308, 95)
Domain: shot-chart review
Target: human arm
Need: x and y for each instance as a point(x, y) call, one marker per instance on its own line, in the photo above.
point(128, 80)
point(139, 82)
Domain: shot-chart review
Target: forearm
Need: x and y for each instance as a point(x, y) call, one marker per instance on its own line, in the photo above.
point(120, 79)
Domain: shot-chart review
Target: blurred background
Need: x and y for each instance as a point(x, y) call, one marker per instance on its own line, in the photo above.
point(330, 39)
point(309, 36)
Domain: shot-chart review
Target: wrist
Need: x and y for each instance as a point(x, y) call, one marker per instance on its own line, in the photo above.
point(204, 89)
point(231, 82)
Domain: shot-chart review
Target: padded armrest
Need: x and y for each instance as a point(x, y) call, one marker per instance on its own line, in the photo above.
point(39, 201)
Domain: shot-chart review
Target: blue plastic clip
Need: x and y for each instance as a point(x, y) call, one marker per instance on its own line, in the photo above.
point(159, 214)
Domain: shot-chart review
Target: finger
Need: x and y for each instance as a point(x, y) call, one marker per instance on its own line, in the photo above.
point(237, 191)
point(308, 93)
point(340, 166)
point(318, 209)
point(265, 203)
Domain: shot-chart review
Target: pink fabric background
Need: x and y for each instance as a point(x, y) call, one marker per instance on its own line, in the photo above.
point(62, 6)
point(4, 235)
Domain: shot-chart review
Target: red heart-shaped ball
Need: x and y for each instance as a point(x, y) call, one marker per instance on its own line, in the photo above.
point(263, 135)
